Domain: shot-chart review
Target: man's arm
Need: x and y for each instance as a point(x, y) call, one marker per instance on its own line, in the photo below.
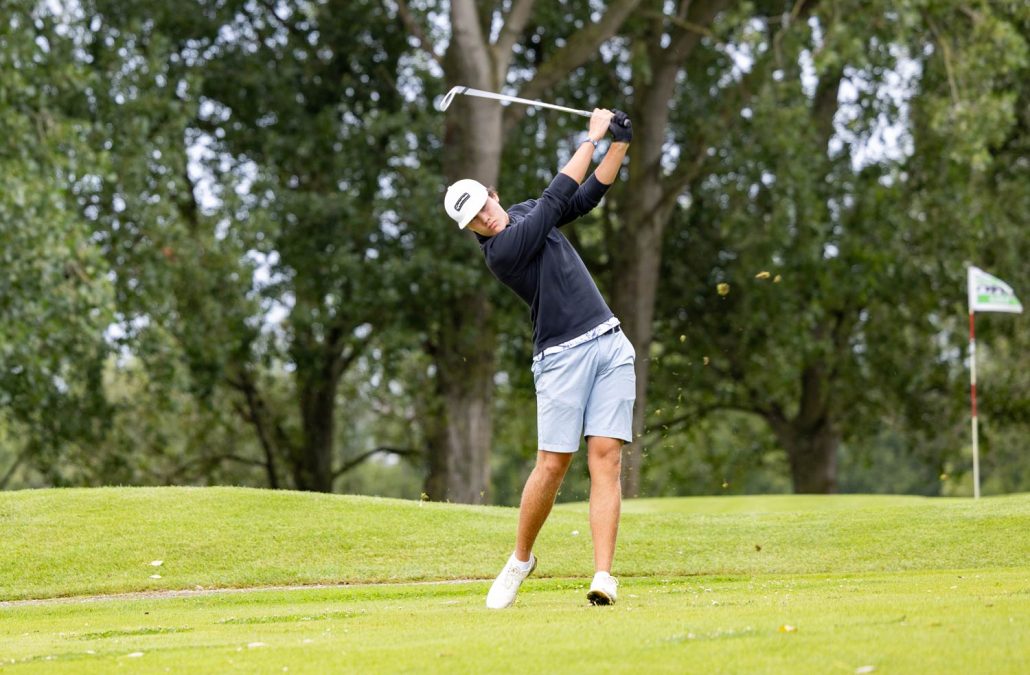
point(517, 244)
point(622, 135)
point(608, 170)
point(576, 169)
point(592, 191)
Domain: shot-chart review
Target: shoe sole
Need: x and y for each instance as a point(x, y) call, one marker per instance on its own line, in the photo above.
point(599, 598)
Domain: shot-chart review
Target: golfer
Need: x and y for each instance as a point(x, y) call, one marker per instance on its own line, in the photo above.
point(582, 362)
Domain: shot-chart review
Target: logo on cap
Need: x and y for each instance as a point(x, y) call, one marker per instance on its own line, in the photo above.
point(461, 201)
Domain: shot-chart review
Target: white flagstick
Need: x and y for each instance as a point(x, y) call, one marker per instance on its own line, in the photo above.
point(972, 395)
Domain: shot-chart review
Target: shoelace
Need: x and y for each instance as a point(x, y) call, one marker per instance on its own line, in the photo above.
point(513, 576)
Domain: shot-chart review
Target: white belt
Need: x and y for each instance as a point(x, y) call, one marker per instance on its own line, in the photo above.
point(611, 325)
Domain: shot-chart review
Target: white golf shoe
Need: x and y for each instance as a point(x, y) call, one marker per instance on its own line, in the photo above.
point(603, 589)
point(506, 585)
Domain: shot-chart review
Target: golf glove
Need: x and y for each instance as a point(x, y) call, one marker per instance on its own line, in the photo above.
point(621, 127)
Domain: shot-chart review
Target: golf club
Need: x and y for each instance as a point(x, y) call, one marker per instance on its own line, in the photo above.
point(468, 91)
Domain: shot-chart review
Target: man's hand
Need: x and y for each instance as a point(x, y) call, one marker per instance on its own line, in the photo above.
point(599, 123)
point(620, 126)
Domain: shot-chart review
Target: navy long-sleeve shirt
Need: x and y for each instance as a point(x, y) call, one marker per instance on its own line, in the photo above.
point(536, 261)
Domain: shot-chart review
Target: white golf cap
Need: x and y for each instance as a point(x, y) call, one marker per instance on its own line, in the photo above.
point(464, 200)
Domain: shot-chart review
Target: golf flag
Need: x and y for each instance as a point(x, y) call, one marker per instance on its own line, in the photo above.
point(986, 294)
point(990, 294)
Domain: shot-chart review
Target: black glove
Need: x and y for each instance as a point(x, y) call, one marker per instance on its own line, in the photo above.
point(620, 127)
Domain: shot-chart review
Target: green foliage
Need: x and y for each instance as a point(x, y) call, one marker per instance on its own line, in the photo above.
point(726, 453)
point(1003, 394)
point(842, 286)
point(245, 221)
point(245, 199)
point(55, 296)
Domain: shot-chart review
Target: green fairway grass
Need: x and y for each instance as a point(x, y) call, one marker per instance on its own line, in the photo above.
point(915, 622)
point(819, 584)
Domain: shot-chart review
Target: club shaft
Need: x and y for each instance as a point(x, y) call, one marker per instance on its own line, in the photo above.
point(469, 91)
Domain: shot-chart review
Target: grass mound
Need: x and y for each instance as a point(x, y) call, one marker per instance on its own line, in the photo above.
point(99, 541)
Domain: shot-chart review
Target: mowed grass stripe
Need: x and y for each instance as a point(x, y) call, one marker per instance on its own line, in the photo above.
point(890, 622)
point(95, 541)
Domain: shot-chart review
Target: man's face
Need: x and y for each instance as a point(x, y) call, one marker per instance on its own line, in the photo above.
point(490, 220)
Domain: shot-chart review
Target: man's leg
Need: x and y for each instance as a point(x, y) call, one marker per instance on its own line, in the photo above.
point(604, 457)
point(538, 498)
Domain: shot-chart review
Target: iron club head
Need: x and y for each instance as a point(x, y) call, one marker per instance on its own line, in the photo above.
point(446, 102)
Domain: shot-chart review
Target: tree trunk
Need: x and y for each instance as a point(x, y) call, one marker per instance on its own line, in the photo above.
point(459, 441)
point(646, 204)
point(636, 262)
point(813, 458)
point(811, 438)
point(312, 461)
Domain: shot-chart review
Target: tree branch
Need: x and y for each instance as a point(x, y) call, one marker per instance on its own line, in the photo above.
point(514, 24)
point(209, 463)
point(681, 23)
point(671, 59)
point(469, 47)
point(289, 27)
point(255, 414)
point(678, 181)
point(683, 422)
point(339, 359)
point(825, 105)
point(580, 47)
point(242, 460)
point(355, 461)
point(413, 26)
point(22, 456)
point(799, 6)
point(946, 56)
point(693, 18)
point(656, 88)
point(186, 201)
point(674, 184)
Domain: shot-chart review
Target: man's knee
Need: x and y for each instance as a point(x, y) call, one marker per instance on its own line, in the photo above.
point(553, 464)
point(604, 453)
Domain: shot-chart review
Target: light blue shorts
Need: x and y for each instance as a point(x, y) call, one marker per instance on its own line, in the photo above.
point(587, 390)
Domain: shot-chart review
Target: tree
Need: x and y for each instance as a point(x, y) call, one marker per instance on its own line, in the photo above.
point(55, 299)
point(849, 321)
point(290, 130)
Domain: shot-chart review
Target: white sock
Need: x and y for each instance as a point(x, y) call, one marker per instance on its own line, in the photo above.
point(522, 565)
point(600, 576)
